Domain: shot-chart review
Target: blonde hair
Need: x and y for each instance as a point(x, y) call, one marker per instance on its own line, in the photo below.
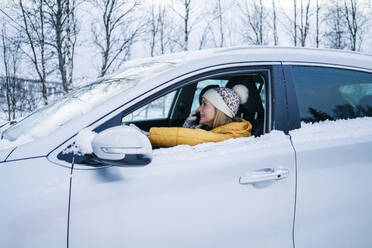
point(220, 119)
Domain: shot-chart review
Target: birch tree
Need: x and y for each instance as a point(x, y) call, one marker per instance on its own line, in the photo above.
point(304, 21)
point(220, 19)
point(356, 22)
point(185, 15)
point(71, 37)
point(33, 17)
point(253, 18)
point(275, 32)
point(154, 23)
point(212, 32)
point(317, 23)
point(295, 22)
point(114, 32)
point(161, 30)
point(62, 21)
point(10, 59)
point(335, 36)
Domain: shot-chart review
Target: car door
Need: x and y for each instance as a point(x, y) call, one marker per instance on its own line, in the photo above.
point(334, 161)
point(34, 203)
point(209, 195)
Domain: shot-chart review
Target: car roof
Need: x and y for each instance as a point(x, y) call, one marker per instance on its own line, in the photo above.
point(268, 54)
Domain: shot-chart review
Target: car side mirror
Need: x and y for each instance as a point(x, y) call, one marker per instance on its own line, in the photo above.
point(122, 146)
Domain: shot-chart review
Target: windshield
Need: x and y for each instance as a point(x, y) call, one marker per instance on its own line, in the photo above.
point(80, 101)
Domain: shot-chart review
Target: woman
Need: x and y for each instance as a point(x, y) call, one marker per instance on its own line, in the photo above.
point(217, 120)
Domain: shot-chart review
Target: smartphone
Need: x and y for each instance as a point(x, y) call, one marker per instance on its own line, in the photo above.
point(197, 121)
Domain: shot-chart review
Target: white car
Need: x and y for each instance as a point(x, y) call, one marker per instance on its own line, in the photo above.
point(302, 180)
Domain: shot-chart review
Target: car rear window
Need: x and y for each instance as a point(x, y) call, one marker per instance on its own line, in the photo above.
point(330, 93)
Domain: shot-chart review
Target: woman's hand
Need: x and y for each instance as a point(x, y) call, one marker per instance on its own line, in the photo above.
point(192, 121)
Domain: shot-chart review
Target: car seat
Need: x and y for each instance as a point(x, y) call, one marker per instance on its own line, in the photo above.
point(252, 110)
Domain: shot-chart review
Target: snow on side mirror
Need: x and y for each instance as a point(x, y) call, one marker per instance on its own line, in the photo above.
point(122, 146)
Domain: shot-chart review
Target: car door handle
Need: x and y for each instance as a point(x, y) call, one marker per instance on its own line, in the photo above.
point(264, 175)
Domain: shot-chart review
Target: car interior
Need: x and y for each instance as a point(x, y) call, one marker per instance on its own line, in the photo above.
point(186, 99)
point(171, 108)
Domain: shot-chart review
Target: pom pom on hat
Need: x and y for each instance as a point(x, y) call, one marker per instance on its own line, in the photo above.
point(242, 92)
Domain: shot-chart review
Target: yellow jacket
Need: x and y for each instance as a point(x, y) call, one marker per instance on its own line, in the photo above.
point(172, 136)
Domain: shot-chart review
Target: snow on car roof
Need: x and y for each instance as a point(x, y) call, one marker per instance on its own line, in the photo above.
point(266, 54)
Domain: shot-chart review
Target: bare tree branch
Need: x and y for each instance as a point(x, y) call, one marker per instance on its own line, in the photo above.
point(304, 22)
point(253, 16)
point(355, 21)
point(39, 63)
point(116, 32)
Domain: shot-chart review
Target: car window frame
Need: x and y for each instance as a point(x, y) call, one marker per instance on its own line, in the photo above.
point(294, 112)
point(175, 84)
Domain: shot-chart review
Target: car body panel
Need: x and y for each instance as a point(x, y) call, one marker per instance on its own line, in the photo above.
point(4, 153)
point(334, 166)
point(34, 208)
point(188, 197)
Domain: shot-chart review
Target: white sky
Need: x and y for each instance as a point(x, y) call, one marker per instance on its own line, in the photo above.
point(87, 60)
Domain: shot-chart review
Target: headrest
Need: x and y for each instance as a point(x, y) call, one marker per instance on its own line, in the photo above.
point(254, 103)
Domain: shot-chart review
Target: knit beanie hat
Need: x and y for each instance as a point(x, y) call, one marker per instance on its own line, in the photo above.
point(227, 100)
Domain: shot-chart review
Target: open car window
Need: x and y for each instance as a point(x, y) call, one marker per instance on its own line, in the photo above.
point(157, 109)
point(171, 106)
point(172, 109)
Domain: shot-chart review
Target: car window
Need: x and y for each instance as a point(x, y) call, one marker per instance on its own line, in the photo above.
point(158, 109)
point(172, 107)
point(331, 94)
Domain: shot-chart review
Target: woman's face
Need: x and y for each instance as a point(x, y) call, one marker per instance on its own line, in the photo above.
point(207, 112)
